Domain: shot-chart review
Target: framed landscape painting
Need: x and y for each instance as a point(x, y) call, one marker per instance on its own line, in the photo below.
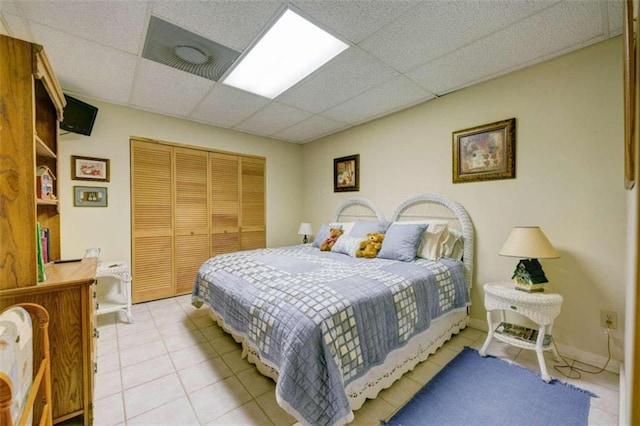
point(486, 152)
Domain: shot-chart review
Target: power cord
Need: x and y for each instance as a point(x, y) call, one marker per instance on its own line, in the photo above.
point(576, 370)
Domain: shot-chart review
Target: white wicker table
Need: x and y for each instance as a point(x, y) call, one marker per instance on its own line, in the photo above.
point(541, 308)
point(119, 271)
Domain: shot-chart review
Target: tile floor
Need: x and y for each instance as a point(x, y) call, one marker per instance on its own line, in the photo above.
point(173, 366)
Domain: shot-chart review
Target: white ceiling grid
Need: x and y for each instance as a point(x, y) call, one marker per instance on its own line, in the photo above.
point(402, 52)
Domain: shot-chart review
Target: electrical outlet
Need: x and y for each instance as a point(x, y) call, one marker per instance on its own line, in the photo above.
point(609, 319)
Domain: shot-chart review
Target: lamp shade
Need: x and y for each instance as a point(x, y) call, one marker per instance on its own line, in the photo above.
point(528, 242)
point(305, 229)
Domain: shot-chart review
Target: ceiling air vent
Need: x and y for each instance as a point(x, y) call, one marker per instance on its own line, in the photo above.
point(181, 49)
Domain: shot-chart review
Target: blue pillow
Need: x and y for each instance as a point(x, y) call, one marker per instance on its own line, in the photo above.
point(323, 234)
point(401, 242)
point(362, 227)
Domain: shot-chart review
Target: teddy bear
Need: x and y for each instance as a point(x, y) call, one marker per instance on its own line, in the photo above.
point(371, 246)
point(334, 234)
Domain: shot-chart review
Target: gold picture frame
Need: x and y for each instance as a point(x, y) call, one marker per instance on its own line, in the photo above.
point(89, 168)
point(486, 152)
point(630, 95)
point(346, 173)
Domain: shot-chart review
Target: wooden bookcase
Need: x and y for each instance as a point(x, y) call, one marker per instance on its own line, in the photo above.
point(32, 108)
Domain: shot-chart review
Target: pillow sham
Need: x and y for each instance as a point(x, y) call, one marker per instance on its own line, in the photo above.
point(363, 227)
point(453, 246)
point(346, 226)
point(432, 239)
point(347, 244)
point(431, 242)
point(323, 233)
point(401, 241)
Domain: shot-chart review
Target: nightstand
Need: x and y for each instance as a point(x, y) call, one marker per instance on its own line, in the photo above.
point(114, 272)
point(541, 308)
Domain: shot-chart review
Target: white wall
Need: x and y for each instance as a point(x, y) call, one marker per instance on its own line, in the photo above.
point(110, 228)
point(569, 178)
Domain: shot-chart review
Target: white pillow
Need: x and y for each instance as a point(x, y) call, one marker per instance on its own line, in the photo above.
point(347, 244)
point(431, 243)
point(346, 226)
point(453, 247)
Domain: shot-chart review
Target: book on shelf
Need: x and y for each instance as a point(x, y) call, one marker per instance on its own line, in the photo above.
point(519, 332)
point(46, 244)
point(39, 252)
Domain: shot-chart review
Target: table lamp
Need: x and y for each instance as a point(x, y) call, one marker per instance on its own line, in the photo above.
point(305, 229)
point(530, 244)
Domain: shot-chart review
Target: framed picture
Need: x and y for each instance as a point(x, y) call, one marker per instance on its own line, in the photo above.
point(89, 196)
point(346, 171)
point(629, 77)
point(87, 168)
point(485, 152)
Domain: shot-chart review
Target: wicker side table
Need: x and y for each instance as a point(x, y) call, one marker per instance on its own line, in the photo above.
point(541, 308)
point(118, 271)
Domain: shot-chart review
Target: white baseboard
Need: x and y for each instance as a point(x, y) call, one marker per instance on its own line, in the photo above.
point(566, 351)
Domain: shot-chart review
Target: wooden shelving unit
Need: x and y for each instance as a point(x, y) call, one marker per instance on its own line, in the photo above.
point(33, 106)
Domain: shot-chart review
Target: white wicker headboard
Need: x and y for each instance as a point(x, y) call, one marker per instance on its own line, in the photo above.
point(436, 206)
point(357, 208)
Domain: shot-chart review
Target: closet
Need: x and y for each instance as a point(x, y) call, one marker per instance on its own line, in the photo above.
point(188, 204)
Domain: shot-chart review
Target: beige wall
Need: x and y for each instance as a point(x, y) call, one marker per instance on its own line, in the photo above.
point(110, 229)
point(569, 178)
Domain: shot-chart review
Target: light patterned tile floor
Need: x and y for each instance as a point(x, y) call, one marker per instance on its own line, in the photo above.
point(173, 366)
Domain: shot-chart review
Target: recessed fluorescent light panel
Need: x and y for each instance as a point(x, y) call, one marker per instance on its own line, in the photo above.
point(291, 50)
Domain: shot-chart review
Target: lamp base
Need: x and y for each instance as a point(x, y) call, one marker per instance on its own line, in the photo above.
point(305, 240)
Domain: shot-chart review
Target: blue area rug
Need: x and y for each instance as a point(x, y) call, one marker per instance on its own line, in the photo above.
point(472, 390)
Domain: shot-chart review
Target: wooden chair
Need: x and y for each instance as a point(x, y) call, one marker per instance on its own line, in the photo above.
point(18, 391)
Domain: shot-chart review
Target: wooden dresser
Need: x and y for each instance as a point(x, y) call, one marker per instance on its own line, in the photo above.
point(68, 294)
point(32, 106)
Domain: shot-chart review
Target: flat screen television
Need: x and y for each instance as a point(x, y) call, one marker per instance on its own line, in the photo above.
point(78, 116)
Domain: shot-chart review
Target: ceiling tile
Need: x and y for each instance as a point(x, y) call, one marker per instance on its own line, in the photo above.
point(391, 96)
point(615, 17)
point(116, 24)
point(272, 118)
point(311, 128)
point(89, 69)
point(436, 28)
point(227, 106)
point(234, 24)
point(9, 7)
point(18, 27)
point(166, 90)
point(354, 20)
point(548, 34)
point(350, 73)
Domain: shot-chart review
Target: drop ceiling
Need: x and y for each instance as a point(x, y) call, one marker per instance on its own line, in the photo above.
point(401, 53)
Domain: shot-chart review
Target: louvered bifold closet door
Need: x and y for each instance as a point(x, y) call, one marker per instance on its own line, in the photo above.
point(224, 203)
point(191, 215)
point(252, 213)
point(151, 221)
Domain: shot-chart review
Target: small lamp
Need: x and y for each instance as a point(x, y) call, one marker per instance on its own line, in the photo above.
point(305, 229)
point(530, 244)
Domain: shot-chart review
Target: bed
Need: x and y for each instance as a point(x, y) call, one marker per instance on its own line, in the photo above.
point(332, 329)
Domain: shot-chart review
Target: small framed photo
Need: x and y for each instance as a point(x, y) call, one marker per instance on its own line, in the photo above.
point(88, 168)
point(90, 196)
point(486, 152)
point(346, 171)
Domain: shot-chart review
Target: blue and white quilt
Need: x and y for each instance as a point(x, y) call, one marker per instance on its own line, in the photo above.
point(323, 319)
